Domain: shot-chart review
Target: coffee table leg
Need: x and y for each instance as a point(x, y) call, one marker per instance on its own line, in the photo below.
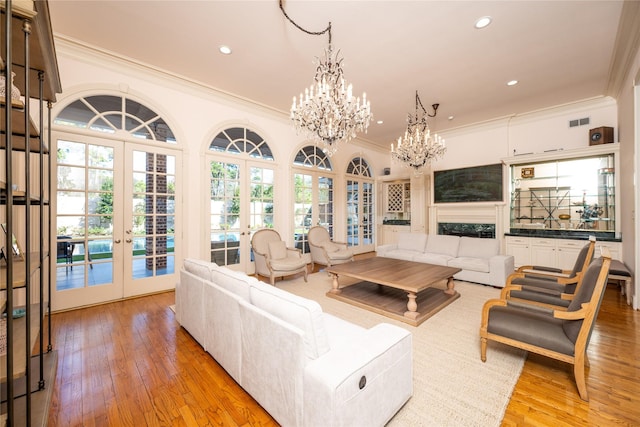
point(412, 306)
point(334, 284)
point(450, 285)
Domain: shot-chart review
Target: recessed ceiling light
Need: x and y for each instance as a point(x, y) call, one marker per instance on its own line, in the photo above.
point(225, 50)
point(450, 117)
point(482, 22)
point(380, 122)
point(512, 83)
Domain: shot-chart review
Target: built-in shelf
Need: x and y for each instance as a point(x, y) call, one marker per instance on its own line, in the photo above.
point(19, 340)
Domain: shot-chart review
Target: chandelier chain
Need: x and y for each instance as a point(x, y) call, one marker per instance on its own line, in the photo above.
point(313, 33)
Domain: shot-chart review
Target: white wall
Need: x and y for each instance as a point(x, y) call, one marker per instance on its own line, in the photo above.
point(196, 114)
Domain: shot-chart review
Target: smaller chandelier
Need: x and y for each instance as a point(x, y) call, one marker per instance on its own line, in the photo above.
point(418, 147)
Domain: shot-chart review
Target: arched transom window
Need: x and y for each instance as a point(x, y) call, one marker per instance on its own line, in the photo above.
point(239, 140)
point(359, 166)
point(110, 114)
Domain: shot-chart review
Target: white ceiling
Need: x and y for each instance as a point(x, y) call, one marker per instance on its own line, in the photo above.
point(560, 51)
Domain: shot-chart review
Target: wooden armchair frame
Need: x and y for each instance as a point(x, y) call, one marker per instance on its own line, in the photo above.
point(587, 313)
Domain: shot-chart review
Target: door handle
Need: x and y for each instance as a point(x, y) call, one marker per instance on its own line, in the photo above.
point(128, 240)
point(117, 241)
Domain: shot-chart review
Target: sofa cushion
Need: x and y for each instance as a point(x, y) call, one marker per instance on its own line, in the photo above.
point(202, 269)
point(233, 281)
point(412, 241)
point(402, 254)
point(472, 264)
point(441, 244)
point(475, 247)
point(436, 259)
point(278, 250)
point(302, 313)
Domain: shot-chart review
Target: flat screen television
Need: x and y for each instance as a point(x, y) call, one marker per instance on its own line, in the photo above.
point(472, 184)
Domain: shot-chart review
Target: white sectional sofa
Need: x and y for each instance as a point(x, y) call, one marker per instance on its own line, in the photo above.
point(479, 258)
point(305, 367)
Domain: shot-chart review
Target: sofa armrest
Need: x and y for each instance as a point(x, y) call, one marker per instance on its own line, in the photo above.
point(382, 249)
point(363, 382)
point(500, 267)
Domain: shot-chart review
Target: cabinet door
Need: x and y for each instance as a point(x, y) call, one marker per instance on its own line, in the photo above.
point(615, 249)
point(568, 251)
point(395, 197)
point(543, 252)
point(519, 249)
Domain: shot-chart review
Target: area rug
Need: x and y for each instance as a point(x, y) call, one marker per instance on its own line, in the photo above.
point(451, 385)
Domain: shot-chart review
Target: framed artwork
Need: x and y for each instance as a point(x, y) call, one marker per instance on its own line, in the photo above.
point(17, 252)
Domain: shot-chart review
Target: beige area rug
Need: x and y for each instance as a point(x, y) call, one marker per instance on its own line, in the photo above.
point(451, 385)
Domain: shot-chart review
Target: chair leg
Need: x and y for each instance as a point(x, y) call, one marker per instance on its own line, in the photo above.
point(483, 349)
point(273, 280)
point(305, 273)
point(578, 373)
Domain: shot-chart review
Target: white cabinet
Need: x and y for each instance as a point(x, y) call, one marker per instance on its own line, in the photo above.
point(558, 253)
point(390, 233)
point(397, 196)
point(543, 252)
point(419, 193)
point(518, 247)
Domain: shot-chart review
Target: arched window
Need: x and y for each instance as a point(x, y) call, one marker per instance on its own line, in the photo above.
point(359, 166)
point(239, 140)
point(313, 193)
point(110, 114)
point(241, 193)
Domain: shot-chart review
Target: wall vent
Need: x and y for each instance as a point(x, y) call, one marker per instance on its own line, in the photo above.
point(579, 122)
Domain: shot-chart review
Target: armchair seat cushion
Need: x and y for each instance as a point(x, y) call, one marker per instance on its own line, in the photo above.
point(287, 264)
point(330, 246)
point(533, 327)
point(341, 255)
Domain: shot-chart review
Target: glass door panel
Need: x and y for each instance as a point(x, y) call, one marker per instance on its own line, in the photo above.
point(149, 236)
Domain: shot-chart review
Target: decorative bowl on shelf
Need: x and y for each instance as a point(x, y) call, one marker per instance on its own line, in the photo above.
point(564, 216)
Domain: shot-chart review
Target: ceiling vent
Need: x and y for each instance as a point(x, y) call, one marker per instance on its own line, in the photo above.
point(579, 122)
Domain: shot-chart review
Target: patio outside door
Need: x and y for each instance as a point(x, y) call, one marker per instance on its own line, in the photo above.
point(115, 216)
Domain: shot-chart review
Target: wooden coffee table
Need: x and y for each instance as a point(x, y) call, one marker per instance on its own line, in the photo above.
point(386, 283)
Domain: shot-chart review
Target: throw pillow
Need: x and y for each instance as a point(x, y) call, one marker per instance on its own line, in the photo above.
point(278, 250)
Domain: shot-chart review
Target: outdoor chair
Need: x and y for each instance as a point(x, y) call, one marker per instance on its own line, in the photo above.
point(547, 285)
point(324, 251)
point(558, 334)
point(273, 258)
point(65, 251)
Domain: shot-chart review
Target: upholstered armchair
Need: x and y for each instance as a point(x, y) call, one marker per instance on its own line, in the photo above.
point(273, 258)
point(547, 285)
point(324, 251)
point(558, 334)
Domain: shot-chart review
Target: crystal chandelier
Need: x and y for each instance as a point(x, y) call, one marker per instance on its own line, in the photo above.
point(418, 147)
point(327, 112)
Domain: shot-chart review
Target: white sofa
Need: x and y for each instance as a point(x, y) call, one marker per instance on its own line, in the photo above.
point(479, 258)
point(305, 367)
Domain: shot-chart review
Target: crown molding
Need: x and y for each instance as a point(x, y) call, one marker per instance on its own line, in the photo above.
point(626, 48)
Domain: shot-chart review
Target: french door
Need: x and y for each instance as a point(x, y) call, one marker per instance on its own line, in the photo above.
point(313, 205)
point(242, 201)
point(360, 221)
point(114, 220)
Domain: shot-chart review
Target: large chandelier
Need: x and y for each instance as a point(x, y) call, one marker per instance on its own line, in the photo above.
point(418, 147)
point(327, 112)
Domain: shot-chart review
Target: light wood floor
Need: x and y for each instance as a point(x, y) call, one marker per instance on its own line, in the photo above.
point(130, 364)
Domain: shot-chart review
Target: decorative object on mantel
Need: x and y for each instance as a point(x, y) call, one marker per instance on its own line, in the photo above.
point(328, 112)
point(418, 147)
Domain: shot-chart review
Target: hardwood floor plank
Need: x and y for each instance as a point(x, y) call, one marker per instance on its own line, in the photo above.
point(130, 364)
